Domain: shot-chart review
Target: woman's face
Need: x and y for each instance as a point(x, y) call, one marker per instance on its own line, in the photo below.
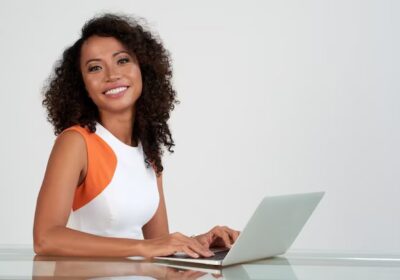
point(111, 74)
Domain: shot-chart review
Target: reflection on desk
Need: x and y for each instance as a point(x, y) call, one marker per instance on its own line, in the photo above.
point(17, 263)
point(105, 268)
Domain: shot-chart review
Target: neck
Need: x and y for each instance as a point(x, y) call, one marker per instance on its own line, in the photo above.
point(120, 125)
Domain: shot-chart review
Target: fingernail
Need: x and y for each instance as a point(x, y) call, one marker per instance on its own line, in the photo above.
point(195, 255)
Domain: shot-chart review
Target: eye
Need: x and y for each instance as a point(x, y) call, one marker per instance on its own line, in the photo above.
point(123, 60)
point(94, 68)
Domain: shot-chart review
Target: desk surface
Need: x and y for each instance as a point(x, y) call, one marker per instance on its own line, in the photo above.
point(21, 263)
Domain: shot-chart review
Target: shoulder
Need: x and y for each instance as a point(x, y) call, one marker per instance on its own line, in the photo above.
point(76, 130)
point(75, 134)
point(72, 139)
point(68, 156)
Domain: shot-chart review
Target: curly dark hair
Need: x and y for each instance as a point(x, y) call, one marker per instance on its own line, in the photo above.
point(68, 103)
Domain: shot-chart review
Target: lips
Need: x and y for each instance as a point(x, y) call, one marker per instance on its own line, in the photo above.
point(115, 90)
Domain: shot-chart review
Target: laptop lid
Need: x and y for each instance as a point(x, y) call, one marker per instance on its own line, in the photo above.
point(271, 230)
point(273, 227)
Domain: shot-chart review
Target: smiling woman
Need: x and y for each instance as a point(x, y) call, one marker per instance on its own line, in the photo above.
point(109, 101)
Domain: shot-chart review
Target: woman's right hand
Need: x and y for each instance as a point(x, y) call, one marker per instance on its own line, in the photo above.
point(174, 243)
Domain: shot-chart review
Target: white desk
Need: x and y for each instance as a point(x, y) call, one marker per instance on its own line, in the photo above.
point(21, 263)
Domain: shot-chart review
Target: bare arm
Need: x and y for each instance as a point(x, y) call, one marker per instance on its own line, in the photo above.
point(158, 225)
point(66, 168)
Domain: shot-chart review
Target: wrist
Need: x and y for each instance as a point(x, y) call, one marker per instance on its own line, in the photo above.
point(138, 248)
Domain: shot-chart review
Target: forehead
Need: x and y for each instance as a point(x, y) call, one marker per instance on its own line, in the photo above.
point(97, 47)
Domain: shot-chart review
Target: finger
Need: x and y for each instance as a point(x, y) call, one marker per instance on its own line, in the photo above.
point(210, 238)
point(224, 234)
point(225, 238)
point(206, 239)
point(233, 235)
point(194, 245)
point(202, 248)
point(190, 252)
point(199, 248)
point(191, 240)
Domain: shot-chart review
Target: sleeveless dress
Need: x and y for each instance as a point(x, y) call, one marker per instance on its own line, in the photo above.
point(119, 193)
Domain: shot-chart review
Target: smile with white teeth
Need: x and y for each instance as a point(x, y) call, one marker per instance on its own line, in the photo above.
point(115, 90)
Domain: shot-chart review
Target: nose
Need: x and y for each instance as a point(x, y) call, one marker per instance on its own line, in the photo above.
point(112, 74)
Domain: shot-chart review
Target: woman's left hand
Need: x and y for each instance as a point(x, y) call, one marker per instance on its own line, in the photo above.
point(218, 236)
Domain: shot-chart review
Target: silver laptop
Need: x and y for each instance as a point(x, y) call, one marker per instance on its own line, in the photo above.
point(270, 231)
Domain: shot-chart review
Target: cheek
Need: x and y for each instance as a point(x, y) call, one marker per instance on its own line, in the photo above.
point(91, 85)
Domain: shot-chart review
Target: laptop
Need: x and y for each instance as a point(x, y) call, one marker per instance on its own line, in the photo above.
point(271, 230)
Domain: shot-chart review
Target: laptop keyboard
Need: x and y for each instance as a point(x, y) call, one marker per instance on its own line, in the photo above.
point(219, 255)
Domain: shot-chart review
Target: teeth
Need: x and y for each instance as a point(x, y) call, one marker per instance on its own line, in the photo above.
point(115, 90)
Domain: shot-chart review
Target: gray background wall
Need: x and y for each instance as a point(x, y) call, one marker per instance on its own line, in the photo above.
point(276, 97)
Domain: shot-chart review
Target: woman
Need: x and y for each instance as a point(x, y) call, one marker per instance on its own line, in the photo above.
point(109, 101)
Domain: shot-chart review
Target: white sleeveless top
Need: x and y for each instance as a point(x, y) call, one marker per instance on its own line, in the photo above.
point(119, 194)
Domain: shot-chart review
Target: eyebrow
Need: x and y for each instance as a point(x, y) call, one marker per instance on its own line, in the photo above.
point(114, 55)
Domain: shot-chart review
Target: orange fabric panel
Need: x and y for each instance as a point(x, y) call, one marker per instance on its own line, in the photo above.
point(102, 163)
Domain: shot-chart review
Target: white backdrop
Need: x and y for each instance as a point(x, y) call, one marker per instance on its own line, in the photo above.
point(276, 97)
